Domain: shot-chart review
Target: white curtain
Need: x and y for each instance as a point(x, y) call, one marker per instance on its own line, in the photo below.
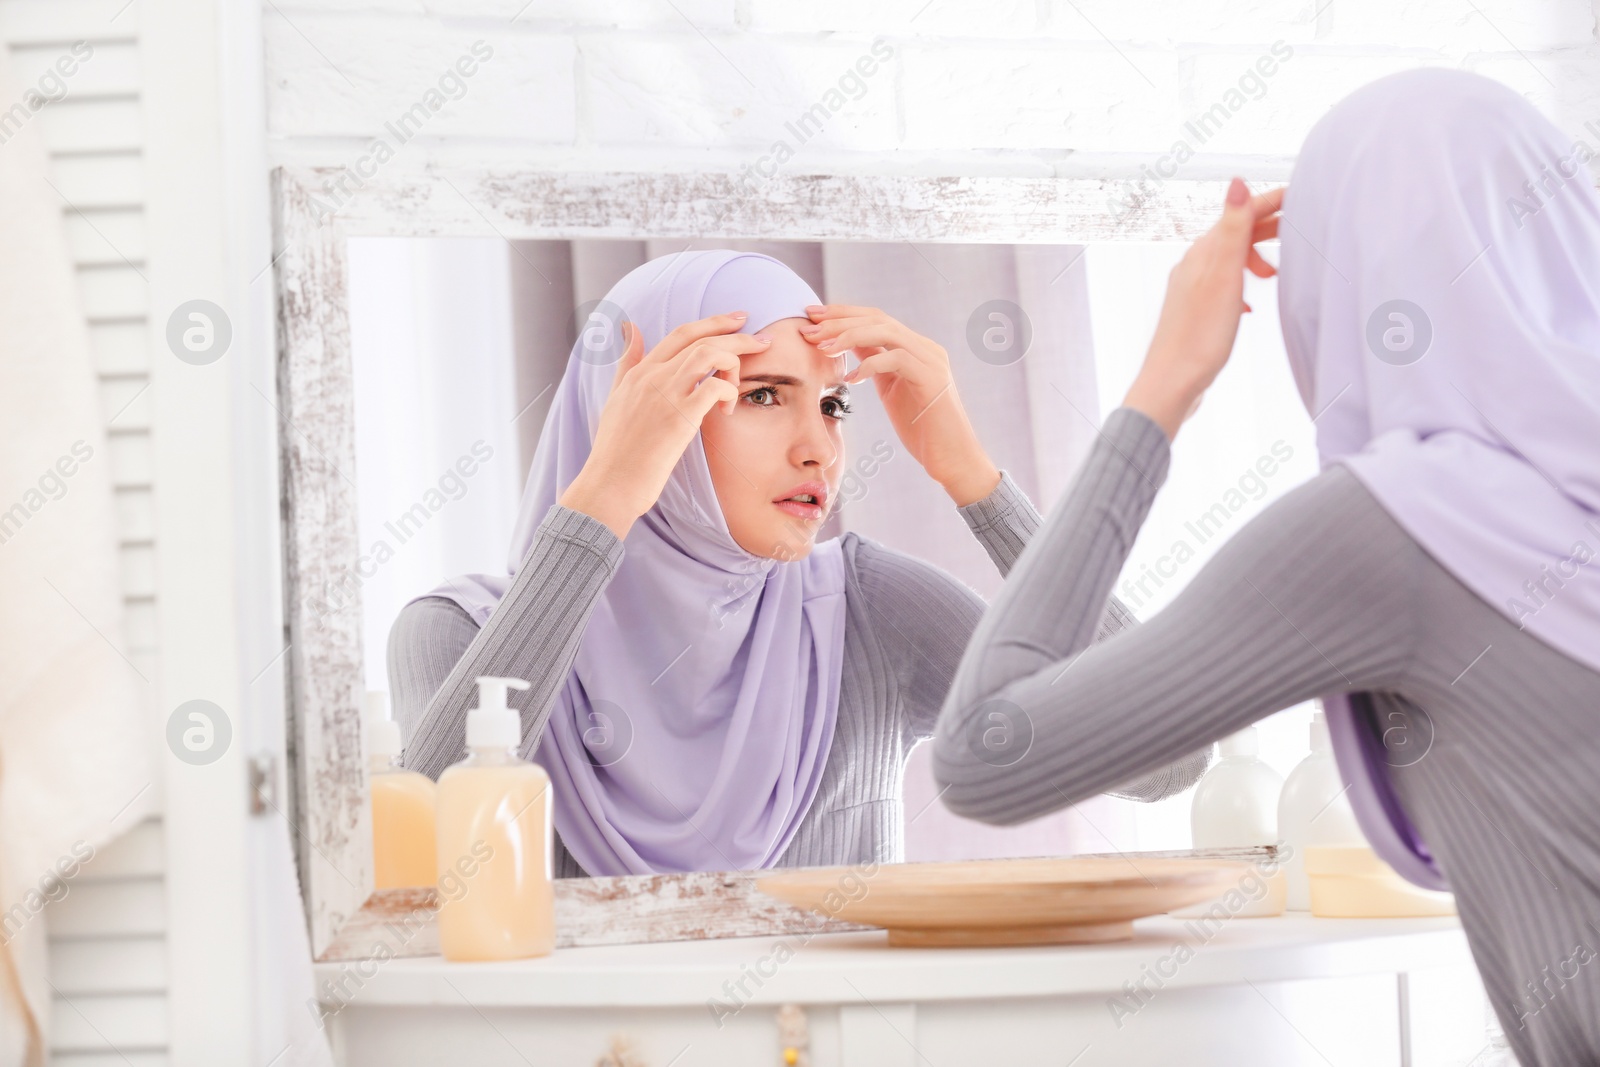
point(431, 345)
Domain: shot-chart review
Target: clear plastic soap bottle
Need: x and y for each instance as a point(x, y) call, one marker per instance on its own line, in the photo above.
point(496, 898)
point(1314, 811)
point(1236, 806)
point(403, 843)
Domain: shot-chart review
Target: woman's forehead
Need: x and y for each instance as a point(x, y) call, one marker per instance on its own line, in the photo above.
point(793, 355)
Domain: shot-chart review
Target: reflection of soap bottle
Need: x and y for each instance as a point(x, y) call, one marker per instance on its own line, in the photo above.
point(1236, 806)
point(496, 899)
point(1313, 810)
point(402, 806)
point(1334, 871)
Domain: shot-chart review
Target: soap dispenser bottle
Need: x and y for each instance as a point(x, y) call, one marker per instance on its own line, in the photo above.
point(496, 898)
point(403, 843)
point(1333, 870)
point(1236, 806)
point(1314, 811)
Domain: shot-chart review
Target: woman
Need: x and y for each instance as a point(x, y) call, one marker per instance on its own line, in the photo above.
point(712, 690)
point(1429, 583)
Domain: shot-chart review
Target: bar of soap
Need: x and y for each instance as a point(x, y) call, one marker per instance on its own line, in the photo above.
point(1352, 882)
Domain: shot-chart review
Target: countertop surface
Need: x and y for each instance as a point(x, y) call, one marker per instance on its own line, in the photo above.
point(843, 967)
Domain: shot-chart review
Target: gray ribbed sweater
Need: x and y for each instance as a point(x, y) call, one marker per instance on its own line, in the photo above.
point(1322, 591)
point(906, 624)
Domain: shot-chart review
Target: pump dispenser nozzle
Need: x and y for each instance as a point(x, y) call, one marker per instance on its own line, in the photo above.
point(493, 723)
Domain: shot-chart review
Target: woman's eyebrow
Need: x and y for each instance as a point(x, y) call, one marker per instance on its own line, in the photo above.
point(784, 379)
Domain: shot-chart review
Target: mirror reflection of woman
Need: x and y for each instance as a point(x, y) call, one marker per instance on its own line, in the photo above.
point(714, 688)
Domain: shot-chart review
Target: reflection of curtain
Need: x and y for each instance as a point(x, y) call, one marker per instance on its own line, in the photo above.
point(1036, 416)
point(437, 468)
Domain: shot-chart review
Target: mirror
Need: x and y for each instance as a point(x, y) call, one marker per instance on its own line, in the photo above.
point(423, 326)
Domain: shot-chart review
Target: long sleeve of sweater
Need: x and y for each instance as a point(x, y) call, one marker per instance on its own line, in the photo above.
point(925, 617)
point(1255, 631)
point(533, 634)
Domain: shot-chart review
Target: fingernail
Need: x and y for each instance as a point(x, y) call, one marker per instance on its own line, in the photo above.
point(763, 338)
point(1238, 193)
point(815, 309)
point(824, 346)
point(740, 315)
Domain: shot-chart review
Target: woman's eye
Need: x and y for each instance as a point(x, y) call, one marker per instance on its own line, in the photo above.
point(835, 407)
point(765, 390)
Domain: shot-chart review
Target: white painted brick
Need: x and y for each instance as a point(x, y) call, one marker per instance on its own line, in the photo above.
point(1170, 23)
point(544, 14)
point(1295, 97)
point(1481, 26)
point(348, 76)
point(1564, 85)
point(380, 8)
point(686, 90)
point(1085, 99)
point(974, 87)
point(903, 18)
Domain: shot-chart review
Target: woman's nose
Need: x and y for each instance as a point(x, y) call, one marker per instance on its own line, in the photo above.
point(816, 445)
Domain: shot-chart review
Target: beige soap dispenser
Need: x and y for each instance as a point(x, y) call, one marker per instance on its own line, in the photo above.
point(496, 898)
point(403, 843)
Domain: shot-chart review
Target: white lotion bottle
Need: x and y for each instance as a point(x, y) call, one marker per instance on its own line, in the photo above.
point(496, 897)
point(1334, 871)
point(1314, 810)
point(1236, 806)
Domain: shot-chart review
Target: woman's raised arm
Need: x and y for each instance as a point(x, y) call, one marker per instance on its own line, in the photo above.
point(924, 618)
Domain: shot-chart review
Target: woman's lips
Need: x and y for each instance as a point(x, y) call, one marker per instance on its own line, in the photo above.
point(800, 510)
point(812, 509)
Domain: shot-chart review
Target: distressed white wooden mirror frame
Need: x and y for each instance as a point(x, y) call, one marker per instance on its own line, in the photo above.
point(315, 211)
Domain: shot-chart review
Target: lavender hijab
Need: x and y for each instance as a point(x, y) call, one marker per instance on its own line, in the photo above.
point(692, 731)
point(1471, 412)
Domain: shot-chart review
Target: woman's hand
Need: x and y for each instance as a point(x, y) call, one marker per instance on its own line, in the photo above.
point(913, 378)
point(655, 408)
point(1205, 297)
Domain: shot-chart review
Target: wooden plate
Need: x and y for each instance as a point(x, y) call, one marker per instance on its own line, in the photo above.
point(1005, 902)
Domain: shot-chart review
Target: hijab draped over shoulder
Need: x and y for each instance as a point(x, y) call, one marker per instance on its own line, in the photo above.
point(1440, 300)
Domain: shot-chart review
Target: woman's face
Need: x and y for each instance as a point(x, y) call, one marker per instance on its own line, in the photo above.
point(782, 440)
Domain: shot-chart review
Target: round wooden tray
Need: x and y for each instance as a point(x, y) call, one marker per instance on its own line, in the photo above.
point(1005, 902)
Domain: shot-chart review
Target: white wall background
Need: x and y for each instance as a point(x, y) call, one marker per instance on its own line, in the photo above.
point(1010, 86)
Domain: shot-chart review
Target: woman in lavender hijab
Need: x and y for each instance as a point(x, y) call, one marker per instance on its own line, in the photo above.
point(713, 688)
point(1435, 584)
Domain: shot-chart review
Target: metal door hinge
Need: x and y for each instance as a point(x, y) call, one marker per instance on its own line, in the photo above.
point(263, 784)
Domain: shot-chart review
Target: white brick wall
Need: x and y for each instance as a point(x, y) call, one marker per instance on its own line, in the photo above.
point(1003, 86)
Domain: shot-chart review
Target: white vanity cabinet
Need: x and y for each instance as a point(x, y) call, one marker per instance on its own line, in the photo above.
point(1281, 991)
